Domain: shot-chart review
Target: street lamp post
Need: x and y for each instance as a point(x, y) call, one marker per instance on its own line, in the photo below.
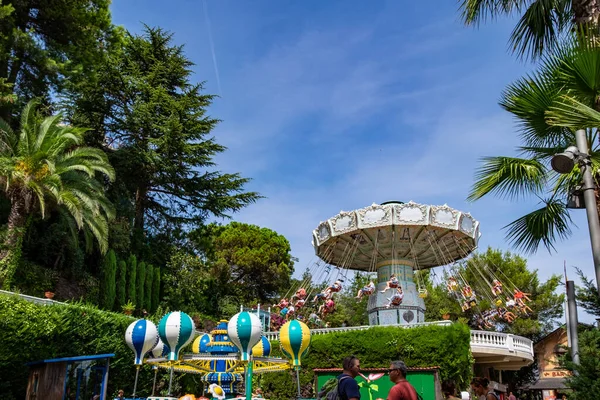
point(563, 163)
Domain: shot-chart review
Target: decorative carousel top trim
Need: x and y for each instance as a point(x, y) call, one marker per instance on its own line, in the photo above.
point(220, 344)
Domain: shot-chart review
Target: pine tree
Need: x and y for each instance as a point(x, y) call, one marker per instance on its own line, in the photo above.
point(141, 283)
point(107, 290)
point(147, 104)
point(131, 278)
point(121, 289)
point(148, 290)
point(155, 289)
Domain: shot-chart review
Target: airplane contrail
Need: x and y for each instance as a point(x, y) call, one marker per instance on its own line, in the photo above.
point(212, 46)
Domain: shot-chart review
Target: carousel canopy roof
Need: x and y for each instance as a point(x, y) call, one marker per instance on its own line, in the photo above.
point(421, 235)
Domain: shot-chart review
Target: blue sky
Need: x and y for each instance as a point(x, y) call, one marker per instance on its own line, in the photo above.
point(335, 105)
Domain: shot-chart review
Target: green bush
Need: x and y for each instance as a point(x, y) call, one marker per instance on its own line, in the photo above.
point(34, 280)
point(445, 347)
point(34, 332)
point(585, 380)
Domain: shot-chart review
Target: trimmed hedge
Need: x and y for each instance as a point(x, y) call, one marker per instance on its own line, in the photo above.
point(32, 332)
point(445, 347)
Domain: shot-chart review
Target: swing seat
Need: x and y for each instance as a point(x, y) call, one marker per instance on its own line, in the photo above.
point(498, 302)
point(423, 293)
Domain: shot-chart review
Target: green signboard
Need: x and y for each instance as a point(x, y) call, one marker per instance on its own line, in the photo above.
point(424, 381)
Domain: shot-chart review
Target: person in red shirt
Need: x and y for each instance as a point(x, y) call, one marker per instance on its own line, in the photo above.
point(402, 390)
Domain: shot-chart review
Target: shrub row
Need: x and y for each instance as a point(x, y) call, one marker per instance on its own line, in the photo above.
point(430, 346)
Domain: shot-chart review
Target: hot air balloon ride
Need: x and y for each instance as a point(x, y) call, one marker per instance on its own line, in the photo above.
point(176, 330)
point(217, 357)
point(141, 336)
point(294, 338)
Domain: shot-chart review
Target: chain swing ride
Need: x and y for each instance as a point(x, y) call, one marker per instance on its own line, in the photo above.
point(398, 242)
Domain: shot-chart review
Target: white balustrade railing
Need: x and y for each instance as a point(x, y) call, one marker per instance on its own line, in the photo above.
point(501, 340)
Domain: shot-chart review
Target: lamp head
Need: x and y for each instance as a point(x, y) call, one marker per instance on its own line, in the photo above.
point(564, 162)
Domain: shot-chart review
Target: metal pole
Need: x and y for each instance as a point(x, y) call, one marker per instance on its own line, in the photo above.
point(298, 380)
point(249, 380)
point(589, 195)
point(573, 321)
point(154, 382)
point(137, 372)
point(171, 380)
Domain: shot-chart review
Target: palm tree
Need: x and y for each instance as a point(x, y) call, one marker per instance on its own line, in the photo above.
point(564, 95)
point(43, 166)
point(542, 22)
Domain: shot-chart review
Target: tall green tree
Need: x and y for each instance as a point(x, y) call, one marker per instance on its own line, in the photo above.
point(146, 109)
point(141, 283)
point(587, 295)
point(132, 279)
point(108, 286)
point(43, 43)
point(148, 287)
point(43, 166)
point(548, 105)
point(585, 381)
point(542, 23)
point(191, 286)
point(255, 262)
point(155, 290)
point(121, 297)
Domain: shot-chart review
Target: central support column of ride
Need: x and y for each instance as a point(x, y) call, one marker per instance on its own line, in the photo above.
point(412, 308)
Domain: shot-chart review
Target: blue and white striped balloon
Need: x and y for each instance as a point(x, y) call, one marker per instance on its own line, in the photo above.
point(244, 330)
point(176, 330)
point(141, 336)
point(160, 350)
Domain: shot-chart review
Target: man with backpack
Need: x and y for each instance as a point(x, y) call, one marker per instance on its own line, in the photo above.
point(347, 388)
point(402, 390)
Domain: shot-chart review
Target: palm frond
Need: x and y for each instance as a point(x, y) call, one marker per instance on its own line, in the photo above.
point(528, 99)
point(44, 131)
point(508, 176)
point(28, 127)
point(568, 112)
point(542, 226)
point(8, 139)
point(476, 11)
point(540, 27)
point(545, 153)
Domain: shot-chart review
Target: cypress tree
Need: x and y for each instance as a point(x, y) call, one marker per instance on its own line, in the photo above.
point(131, 278)
point(148, 289)
point(141, 283)
point(109, 269)
point(121, 285)
point(155, 289)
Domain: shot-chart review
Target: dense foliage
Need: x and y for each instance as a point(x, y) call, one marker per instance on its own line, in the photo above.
point(43, 165)
point(32, 332)
point(445, 347)
point(45, 44)
point(585, 381)
point(546, 305)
